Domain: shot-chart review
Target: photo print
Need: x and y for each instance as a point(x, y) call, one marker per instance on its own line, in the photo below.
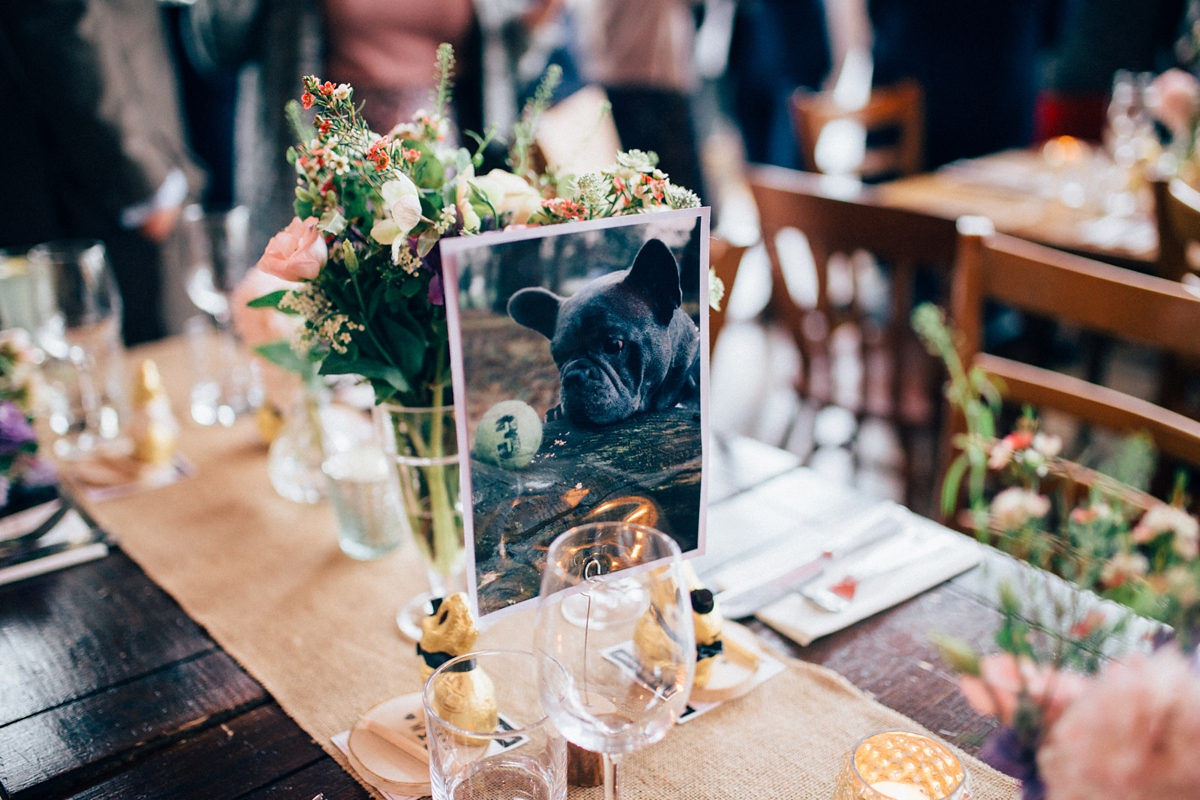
point(580, 383)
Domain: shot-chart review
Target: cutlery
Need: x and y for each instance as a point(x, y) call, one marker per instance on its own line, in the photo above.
point(744, 601)
point(838, 597)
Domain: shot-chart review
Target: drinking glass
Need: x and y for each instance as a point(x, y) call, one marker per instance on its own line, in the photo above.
point(77, 309)
point(899, 765)
point(519, 757)
point(368, 515)
point(616, 689)
point(218, 257)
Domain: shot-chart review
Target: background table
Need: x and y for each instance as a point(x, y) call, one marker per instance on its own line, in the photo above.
point(109, 690)
point(1017, 190)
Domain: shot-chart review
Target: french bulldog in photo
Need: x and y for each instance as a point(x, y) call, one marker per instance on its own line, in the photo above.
point(622, 343)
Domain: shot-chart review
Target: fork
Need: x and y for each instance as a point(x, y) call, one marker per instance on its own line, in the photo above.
point(838, 597)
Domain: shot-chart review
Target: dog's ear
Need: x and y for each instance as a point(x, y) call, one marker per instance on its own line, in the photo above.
point(655, 275)
point(535, 308)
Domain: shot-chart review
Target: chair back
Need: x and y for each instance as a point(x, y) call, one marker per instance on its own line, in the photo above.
point(869, 299)
point(725, 259)
point(1177, 213)
point(899, 107)
point(1089, 294)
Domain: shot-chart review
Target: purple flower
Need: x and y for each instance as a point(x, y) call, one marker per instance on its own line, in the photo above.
point(35, 472)
point(15, 431)
point(436, 295)
point(1004, 751)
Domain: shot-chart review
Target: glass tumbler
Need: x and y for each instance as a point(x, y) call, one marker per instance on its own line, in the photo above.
point(479, 751)
point(77, 308)
point(899, 765)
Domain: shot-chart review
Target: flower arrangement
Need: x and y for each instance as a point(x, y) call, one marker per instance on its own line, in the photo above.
point(1098, 529)
point(24, 476)
point(1072, 725)
point(370, 210)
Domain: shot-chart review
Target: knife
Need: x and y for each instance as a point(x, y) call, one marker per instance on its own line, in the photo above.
point(744, 601)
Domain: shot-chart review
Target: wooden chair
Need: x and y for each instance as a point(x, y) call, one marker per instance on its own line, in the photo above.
point(1078, 291)
point(900, 107)
point(725, 259)
point(901, 383)
point(1177, 214)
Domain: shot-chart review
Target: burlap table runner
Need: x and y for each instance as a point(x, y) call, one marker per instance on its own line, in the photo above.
point(264, 576)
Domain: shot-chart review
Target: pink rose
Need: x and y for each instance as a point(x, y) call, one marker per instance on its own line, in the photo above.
point(1003, 679)
point(1176, 99)
point(1131, 736)
point(259, 326)
point(296, 253)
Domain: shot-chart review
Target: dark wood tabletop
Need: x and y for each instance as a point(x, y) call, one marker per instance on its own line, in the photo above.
point(109, 690)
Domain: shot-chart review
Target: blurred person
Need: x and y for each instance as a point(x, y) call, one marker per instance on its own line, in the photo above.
point(977, 62)
point(1097, 38)
point(96, 137)
point(641, 52)
point(778, 46)
point(386, 50)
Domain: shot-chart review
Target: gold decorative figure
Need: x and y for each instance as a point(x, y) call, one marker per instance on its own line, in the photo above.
point(268, 418)
point(465, 697)
point(651, 642)
point(152, 425)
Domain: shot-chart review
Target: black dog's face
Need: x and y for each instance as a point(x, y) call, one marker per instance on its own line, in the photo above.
point(610, 340)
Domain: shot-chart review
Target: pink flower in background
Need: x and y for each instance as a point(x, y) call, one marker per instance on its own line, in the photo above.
point(1168, 519)
point(1003, 678)
point(1014, 507)
point(259, 326)
point(1177, 99)
point(296, 253)
point(1130, 736)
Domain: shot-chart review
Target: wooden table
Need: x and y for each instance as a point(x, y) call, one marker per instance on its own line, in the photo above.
point(1021, 194)
point(109, 690)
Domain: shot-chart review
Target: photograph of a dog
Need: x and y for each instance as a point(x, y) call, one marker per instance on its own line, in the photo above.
point(578, 365)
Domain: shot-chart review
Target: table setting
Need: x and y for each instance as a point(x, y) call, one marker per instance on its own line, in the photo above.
point(576, 591)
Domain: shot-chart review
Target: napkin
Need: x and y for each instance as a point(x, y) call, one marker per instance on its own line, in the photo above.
point(950, 554)
point(342, 742)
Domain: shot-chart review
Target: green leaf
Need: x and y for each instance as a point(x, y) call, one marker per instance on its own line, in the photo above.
point(427, 172)
point(405, 347)
point(281, 354)
point(368, 368)
point(951, 484)
point(268, 300)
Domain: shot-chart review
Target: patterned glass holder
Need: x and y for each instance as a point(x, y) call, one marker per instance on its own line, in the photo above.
point(899, 765)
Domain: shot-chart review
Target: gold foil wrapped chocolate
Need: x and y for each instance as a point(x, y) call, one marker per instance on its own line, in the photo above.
point(152, 427)
point(654, 646)
point(465, 698)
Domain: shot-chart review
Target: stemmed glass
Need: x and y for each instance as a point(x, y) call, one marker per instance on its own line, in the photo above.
point(218, 257)
point(619, 688)
point(77, 309)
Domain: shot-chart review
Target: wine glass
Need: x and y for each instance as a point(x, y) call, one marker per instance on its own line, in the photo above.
point(619, 688)
point(77, 309)
point(218, 257)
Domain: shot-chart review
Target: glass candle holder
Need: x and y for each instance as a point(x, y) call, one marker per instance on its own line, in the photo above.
point(899, 765)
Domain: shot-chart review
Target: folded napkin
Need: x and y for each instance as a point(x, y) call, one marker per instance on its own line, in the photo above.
point(68, 540)
point(943, 553)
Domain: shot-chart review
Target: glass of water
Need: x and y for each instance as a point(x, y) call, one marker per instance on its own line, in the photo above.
point(77, 313)
point(370, 524)
point(489, 736)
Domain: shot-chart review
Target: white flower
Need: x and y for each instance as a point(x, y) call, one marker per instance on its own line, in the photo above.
point(1048, 445)
point(1002, 453)
point(462, 199)
point(1165, 519)
point(1014, 507)
point(342, 92)
point(402, 212)
point(337, 162)
point(511, 194)
point(1122, 567)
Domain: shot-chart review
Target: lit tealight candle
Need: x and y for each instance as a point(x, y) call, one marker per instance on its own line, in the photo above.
point(900, 791)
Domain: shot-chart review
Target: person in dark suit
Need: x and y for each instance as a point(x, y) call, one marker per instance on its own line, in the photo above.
point(94, 139)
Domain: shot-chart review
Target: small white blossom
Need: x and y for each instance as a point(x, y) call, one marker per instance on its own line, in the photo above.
point(1167, 519)
point(1014, 507)
point(1048, 445)
point(342, 92)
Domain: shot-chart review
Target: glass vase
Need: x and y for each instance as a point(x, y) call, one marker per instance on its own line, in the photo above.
point(422, 449)
point(297, 453)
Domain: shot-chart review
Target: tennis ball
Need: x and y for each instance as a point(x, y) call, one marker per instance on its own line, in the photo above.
point(509, 435)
